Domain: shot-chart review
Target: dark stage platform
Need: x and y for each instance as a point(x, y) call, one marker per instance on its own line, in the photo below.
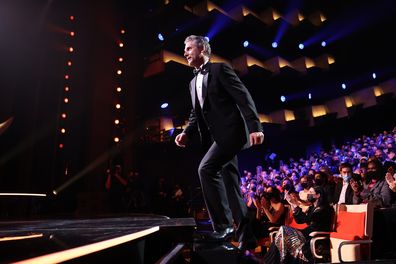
point(134, 239)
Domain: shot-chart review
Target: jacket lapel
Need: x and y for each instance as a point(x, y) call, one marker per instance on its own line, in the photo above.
point(192, 91)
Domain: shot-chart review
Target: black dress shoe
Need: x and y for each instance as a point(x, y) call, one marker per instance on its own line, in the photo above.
point(218, 236)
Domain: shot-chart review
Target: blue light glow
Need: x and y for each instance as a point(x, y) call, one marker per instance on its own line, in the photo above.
point(274, 44)
point(309, 96)
point(323, 44)
point(283, 98)
point(245, 44)
point(164, 105)
point(160, 37)
point(343, 86)
point(374, 75)
point(301, 46)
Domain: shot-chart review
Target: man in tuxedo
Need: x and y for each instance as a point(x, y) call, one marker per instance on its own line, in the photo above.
point(226, 118)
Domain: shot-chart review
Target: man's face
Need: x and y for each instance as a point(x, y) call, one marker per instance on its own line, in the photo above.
point(193, 54)
point(345, 171)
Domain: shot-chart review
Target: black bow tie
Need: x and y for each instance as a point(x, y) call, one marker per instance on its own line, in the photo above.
point(203, 70)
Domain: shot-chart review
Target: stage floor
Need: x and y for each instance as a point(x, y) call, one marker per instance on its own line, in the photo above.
point(57, 240)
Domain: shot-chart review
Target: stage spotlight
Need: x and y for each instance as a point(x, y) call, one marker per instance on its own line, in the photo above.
point(301, 46)
point(309, 96)
point(274, 44)
point(116, 121)
point(63, 115)
point(119, 72)
point(116, 139)
point(121, 44)
point(283, 99)
point(120, 59)
point(160, 37)
point(245, 44)
point(63, 131)
point(164, 105)
point(66, 100)
point(118, 106)
point(119, 89)
point(71, 49)
point(374, 75)
point(207, 38)
point(323, 44)
point(343, 86)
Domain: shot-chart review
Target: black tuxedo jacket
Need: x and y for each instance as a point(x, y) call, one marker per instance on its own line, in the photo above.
point(228, 113)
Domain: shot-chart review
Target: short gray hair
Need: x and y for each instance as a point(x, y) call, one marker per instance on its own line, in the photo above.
point(201, 42)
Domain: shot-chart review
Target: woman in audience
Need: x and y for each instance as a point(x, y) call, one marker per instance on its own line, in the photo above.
point(292, 245)
point(270, 212)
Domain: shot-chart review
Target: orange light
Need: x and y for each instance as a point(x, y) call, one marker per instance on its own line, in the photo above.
point(72, 33)
point(118, 106)
point(63, 115)
point(67, 88)
point(122, 31)
point(71, 49)
point(67, 77)
point(116, 139)
point(60, 145)
point(120, 59)
point(71, 17)
point(69, 63)
point(63, 131)
point(121, 44)
point(119, 72)
point(66, 100)
point(119, 89)
point(116, 121)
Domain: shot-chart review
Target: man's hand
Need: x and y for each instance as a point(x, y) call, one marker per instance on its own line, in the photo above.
point(256, 138)
point(181, 140)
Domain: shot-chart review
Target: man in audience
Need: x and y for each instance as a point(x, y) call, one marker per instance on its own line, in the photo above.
point(343, 190)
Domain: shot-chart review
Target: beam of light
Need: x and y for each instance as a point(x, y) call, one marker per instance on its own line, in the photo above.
point(284, 26)
point(101, 159)
point(24, 194)
point(267, 53)
point(12, 238)
point(76, 252)
point(5, 125)
point(220, 23)
point(350, 23)
point(26, 143)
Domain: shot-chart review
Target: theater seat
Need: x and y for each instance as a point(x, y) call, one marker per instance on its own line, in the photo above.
point(351, 238)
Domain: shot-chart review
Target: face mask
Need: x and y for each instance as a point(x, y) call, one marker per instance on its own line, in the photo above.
point(287, 187)
point(372, 175)
point(304, 185)
point(318, 182)
point(347, 177)
point(311, 198)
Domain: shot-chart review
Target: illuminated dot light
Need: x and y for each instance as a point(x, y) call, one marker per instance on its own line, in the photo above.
point(71, 17)
point(61, 146)
point(119, 89)
point(67, 88)
point(122, 31)
point(116, 121)
point(63, 131)
point(121, 44)
point(71, 49)
point(120, 59)
point(116, 139)
point(66, 100)
point(119, 72)
point(69, 63)
point(63, 115)
point(118, 106)
point(67, 77)
point(72, 33)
